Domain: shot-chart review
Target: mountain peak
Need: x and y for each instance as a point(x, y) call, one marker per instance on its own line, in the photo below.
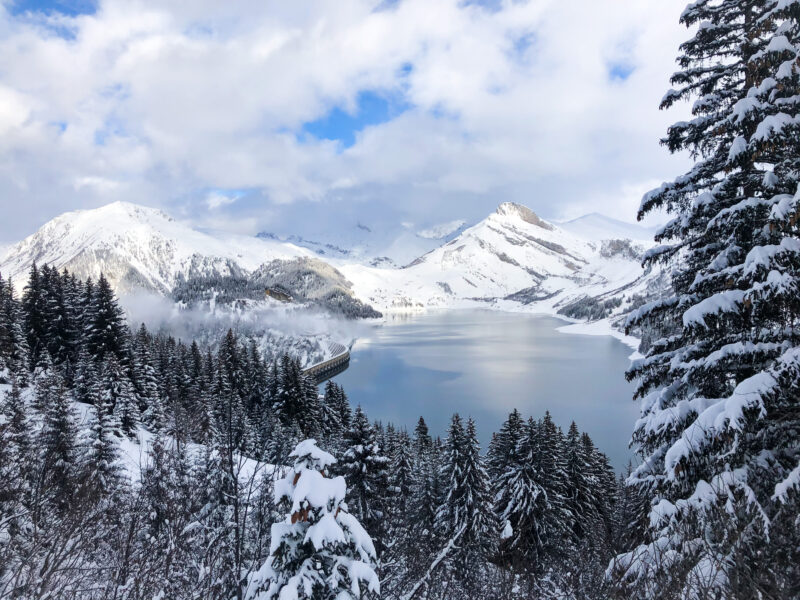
point(512, 209)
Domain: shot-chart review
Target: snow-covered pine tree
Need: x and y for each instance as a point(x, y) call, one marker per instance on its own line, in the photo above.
point(57, 440)
point(465, 518)
point(342, 405)
point(579, 500)
point(118, 393)
point(168, 499)
point(365, 468)
point(502, 451)
point(504, 460)
point(61, 325)
point(106, 330)
point(401, 532)
point(425, 499)
point(631, 513)
point(331, 426)
point(146, 377)
point(602, 494)
point(719, 385)
point(13, 342)
point(336, 411)
point(86, 383)
point(553, 466)
point(296, 398)
point(16, 473)
point(522, 506)
point(319, 551)
point(422, 439)
point(33, 302)
point(101, 475)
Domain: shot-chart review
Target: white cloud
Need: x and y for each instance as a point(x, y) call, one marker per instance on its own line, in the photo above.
point(214, 200)
point(156, 102)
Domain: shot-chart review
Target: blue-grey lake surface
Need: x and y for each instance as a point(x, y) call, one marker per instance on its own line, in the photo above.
point(485, 363)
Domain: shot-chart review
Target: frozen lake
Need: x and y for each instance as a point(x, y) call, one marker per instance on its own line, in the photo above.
point(485, 363)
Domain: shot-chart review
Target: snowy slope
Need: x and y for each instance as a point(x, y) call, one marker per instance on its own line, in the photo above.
point(138, 248)
point(509, 260)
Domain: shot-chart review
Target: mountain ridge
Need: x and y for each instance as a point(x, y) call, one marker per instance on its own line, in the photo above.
point(512, 258)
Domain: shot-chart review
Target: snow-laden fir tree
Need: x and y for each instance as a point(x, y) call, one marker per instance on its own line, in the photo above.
point(13, 343)
point(319, 551)
point(465, 520)
point(365, 468)
point(579, 501)
point(16, 441)
point(104, 323)
point(720, 383)
point(101, 474)
point(145, 376)
point(118, 393)
point(57, 439)
point(523, 506)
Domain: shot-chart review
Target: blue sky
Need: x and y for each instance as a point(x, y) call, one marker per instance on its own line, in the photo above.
point(342, 124)
point(70, 8)
point(287, 116)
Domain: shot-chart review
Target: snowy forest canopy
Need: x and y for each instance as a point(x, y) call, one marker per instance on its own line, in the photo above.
point(87, 400)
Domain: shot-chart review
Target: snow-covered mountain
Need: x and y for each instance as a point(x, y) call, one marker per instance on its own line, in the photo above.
point(515, 258)
point(586, 268)
point(139, 248)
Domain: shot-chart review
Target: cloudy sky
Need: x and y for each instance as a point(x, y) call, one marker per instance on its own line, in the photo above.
point(303, 115)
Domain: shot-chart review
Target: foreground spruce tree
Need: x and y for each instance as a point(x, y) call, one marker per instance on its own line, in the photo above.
point(721, 382)
point(320, 551)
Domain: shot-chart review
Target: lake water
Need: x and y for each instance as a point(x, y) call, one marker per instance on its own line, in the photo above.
point(485, 363)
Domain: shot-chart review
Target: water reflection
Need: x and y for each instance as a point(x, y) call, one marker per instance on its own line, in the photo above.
point(485, 363)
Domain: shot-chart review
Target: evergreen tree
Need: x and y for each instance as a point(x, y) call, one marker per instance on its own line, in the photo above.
point(631, 513)
point(16, 471)
point(320, 551)
point(365, 468)
point(465, 515)
point(296, 400)
point(502, 453)
point(102, 478)
point(722, 373)
point(118, 394)
point(524, 506)
point(13, 343)
point(33, 307)
point(106, 330)
point(146, 377)
point(422, 439)
point(57, 440)
point(580, 500)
